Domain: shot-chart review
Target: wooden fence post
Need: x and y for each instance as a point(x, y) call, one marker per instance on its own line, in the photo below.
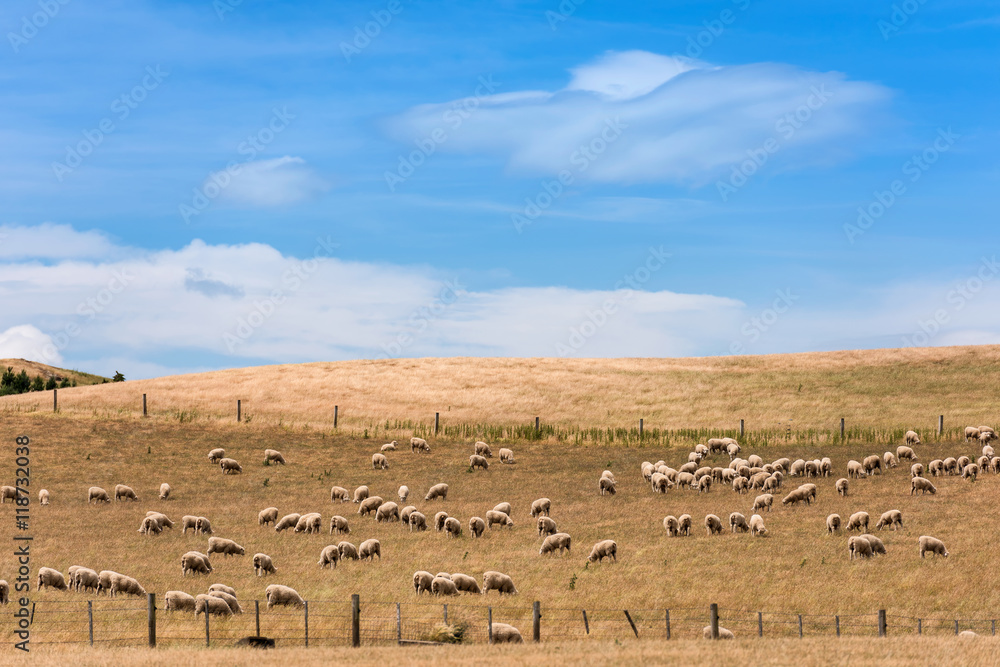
point(399, 624)
point(206, 627)
point(144, 413)
point(838, 625)
point(920, 626)
point(445, 614)
point(151, 618)
point(489, 623)
point(881, 622)
point(668, 624)
point(355, 620)
point(841, 428)
point(536, 621)
point(336, 409)
point(537, 427)
point(437, 422)
point(640, 427)
point(90, 619)
point(55, 400)
point(586, 623)
point(632, 623)
point(306, 604)
point(741, 428)
point(993, 626)
point(760, 624)
point(940, 424)
point(239, 410)
point(256, 610)
point(800, 626)
point(956, 626)
point(713, 620)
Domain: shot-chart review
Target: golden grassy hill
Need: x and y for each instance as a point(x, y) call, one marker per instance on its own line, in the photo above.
point(34, 368)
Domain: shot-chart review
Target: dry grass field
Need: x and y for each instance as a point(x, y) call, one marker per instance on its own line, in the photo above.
point(875, 388)
point(33, 368)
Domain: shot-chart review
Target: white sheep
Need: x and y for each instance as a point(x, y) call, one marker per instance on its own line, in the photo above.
point(713, 524)
point(287, 521)
point(403, 493)
point(267, 516)
point(504, 633)
point(340, 493)
point(971, 433)
point(833, 523)
point(903, 452)
point(857, 521)
point(437, 491)
point(483, 449)
point(932, 545)
point(477, 461)
point(262, 564)
point(923, 485)
point(203, 526)
point(466, 584)
point(164, 491)
point(419, 445)
point(970, 471)
point(123, 492)
point(417, 521)
point(84, 578)
point(228, 598)
point(10, 493)
point(347, 550)
point(121, 583)
point(380, 462)
point(230, 467)
point(422, 581)
point(389, 446)
point(671, 525)
point(43, 497)
point(178, 601)
point(911, 438)
point(891, 518)
point(506, 508)
point(361, 493)
point(273, 456)
point(47, 577)
point(499, 582)
point(763, 501)
point(330, 555)
point(278, 595)
point(477, 526)
point(737, 523)
point(506, 455)
point(369, 549)
point(189, 521)
point(859, 546)
point(369, 505)
point(220, 545)
point(558, 541)
point(216, 455)
point(723, 633)
point(541, 506)
point(196, 563)
point(209, 604)
point(684, 524)
point(546, 526)
point(443, 586)
point(878, 547)
point(604, 549)
point(387, 512)
point(338, 524)
point(453, 527)
point(855, 469)
point(439, 520)
point(607, 486)
point(841, 486)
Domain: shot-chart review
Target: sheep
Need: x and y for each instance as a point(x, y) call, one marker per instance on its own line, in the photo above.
point(757, 480)
point(936, 468)
point(970, 471)
point(360, 494)
point(389, 447)
point(203, 526)
point(857, 521)
point(923, 485)
point(917, 470)
point(983, 462)
point(878, 547)
point(466, 584)
point(812, 469)
point(43, 497)
point(608, 486)
point(506, 634)
point(950, 465)
point(762, 501)
point(483, 449)
point(558, 541)
point(476, 461)
point(209, 604)
point(740, 485)
point(860, 547)
point(86, 579)
point(178, 601)
point(506, 455)
point(796, 496)
point(967, 634)
point(188, 521)
point(911, 438)
point(216, 455)
point(689, 467)
point(499, 582)
point(277, 594)
point(705, 484)
point(723, 633)
point(330, 555)
point(702, 472)
point(230, 467)
point(422, 581)
point(833, 523)
point(262, 565)
point(404, 514)
point(104, 581)
point(379, 462)
point(798, 468)
point(161, 519)
point(403, 493)
point(222, 588)
point(659, 482)
point(10, 493)
point(123, 492)
point(439, 520)
point(220, 545)
point(387, 512)
point(841, 486)
point(4, 592)
point(348, 550)
point(338, 525)
point(121, 583)
point(339, 493)
point(287, 521)
point(890, 460)
point(695, 457)
point(453, 527)
point(647, 471)
point(437, 491)
point(684, 524)
point(273, 456)
point(757, 525)
point(872, 463)
point(891, 518)
point(443, 586)
point(737, 522)
point(419, 445)
point(671, 525)
point(369, 505)
point(541, 506)
point(907, 453)
point(855, 469)
point(150, 526)
point(996, 465)
point(932, 545)
point(713, 524)
point(369, 549)
point(477, 526)
point(971, 433)
point(505, 508)
point(733, 450)
point(51, 578)
point(228, 598)
point(826, 466)
point(309, 523)
point(417, 521)
point(986, 436)
point(267, 516)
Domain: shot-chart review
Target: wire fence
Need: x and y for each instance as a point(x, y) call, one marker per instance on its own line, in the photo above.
point(134, 622)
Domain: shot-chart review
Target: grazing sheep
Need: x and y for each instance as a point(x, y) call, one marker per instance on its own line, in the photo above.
point(228, 598)
point(671, 525)
point(43, 497)
point(437, 491)
point(986, 436)
point(104, 581)
point(737, 523)
point(932, 545)
point(923, 485)
point(684, 525)
point(506, 455)
point(971, 433)
point(771, 483)
point(505, 508)
point(419, 445)
point(970, 471)
point(878, 547)
point(466, 584)
point(855, 469)
point(951, 465)
point(705, 484)
point(403, 493)
point(558, 541)
point(796, 496)
point(857, 521)
point(477, 461)
point(209, 604)
point(936, 467)
point(369, 549)
point(262, 565)
point(379, 462)
point(123, 492)
point(860, 547)
point(278, 595)
point(495, 517)
point(422, 581)
point(453, 527)
point(216, 455)
point(872, 464)
point(188, 521)
point(713, 524)
point(361, 494)
point(541, 506)
point(983, 462)
point(483, 449)
point(439, 520)
point(230, 467)
point(330, 555)
point(387, 512)
point(890, 460)
point(546, 526)
point(658, 481)
point(150, 526)
point(833, 523)
point(267, 516)
point(967, 634)
point(695, 457)
point(723, 633)
point(389, 447)
point(86, 579)
point(220, 545)
point(608, 486)
point(178, 601)
point(287, 521)
point(906, 452)
point(506, 634)
point(826, 466)
point(404, 514)
point(841, 486)
point(51, 578)
point(912, 439)
point(369, 505)
point(647, 471)
point(222, 588)
point(740, 485)
point(121, 583)
point(757, 525)
point(164, 491)
point(443, 586)
point(338, 525)
point(417, 521)
point(499, 582)
point(733, 450)
point(203, 526)
point(348, 550)
point(340, 493)
point(477, 526)
point(812, 469)
point(763, 501)
point(917, 470)
point(891, 518)
point(798, 468)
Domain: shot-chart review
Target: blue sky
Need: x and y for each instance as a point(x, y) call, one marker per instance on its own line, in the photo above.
point(227, 142)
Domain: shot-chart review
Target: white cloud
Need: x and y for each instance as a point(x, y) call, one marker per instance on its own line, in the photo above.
point(276, 182)
point(687, 121)
point(49, 241)
point(24, 342)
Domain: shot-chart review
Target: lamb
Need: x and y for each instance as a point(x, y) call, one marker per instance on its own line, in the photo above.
point(671, 525)
point(932, 545)
point(230, 467)
point(203, 526)
point(970, 471)
point(220, 545)
point(403, 493)
point(262, 565)
point(684, 524)
point(123, 492)
point(51, 578)
point(705, 484)
point(437, 491)
point(309, 523)
point(278, 595)
point(506, 455)
point(348, 550)
point(419, 445)
point(608, 486)
point(911, 438)
point(541, 506)
point(267, 516)
point(339, 493)
point(273, 456)
point(369, 549)
point(379, 462)
point(891, 518)
point(859, 546)
point(330, 555)
point(466, 584)
point(387, 512)
point(209, 604)
point(713, 524)
point(923, 485)
point(369, 505)
point(906, 452)
point(360, 494)
point(422, 581)
point(499, 582)
point(178, 601)
point(723, 633)
point(483, 449)
point(443, 586)
point(477, 526)
point(763, 501)
point(287, 521)
point(878, 547)
point(338, 525)
point(216, 455)
point(558, 541)
point(121, 583)
point(917, 470)
point(796, 496)
point(737, 522)
point(857, 521)
point(506, 634)
point(228, 598)
point(453, 527)
point(855, 469)
point(757, 525)
point(833, 523)
point(389, 447)
point(417, 521)
point(505, 508)
point(841, 486)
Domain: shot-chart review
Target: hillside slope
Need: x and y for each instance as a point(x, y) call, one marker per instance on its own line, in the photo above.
point(34, 368)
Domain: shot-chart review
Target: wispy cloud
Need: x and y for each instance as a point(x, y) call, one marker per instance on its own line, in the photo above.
point(277, 182)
